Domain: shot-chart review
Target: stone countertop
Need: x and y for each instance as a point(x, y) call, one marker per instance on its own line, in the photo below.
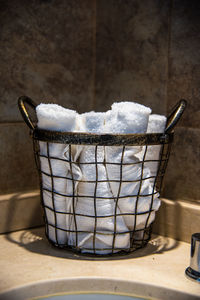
point(27, 258)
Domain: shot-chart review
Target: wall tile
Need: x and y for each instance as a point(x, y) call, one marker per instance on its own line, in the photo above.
point(131, 53)
point(183, 172)
point(184, 59)
point(18, 170)
point(174, 219)
point(46, 53)
point(12, 208)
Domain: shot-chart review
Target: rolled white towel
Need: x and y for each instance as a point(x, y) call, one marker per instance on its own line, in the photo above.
point(127, 117)
point(56, 168)
point(96, 207)
point(135, 189)
point(156, 124)
point(124, 118)
point(133, 117)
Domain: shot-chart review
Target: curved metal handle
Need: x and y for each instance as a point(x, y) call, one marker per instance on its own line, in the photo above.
point(21, 104)
point(175, 115)
point(172, 119)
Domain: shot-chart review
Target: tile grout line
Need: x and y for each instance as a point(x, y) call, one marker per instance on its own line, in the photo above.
point(11, 122)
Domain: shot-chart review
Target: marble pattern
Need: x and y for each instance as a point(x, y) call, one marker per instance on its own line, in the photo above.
point(183, 172)
point(38, 270)
point(18, 170)
point(46, 53)
point(184, 59)
point(20, 210)
point(86, 54)
point(131, 53)
point(174, 219)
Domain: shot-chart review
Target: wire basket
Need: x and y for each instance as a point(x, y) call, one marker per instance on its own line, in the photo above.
point(94, 223)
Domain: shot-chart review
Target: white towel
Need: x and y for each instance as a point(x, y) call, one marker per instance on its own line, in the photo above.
point(57, 191)
point(95, 200)
point(132, 117)
point(156, 124)
point(126, 117)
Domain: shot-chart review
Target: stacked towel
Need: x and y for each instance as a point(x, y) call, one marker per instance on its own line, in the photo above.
point(132, 117)
point(55, 167)
point(151, 156)
point(156, 124)
point(96, 207)
point(99, 194)
point(133, 194)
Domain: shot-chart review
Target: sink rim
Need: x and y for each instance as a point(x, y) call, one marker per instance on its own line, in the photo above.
point(101, 285)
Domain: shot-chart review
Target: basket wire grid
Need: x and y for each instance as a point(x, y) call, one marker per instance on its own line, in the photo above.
point(139, 237)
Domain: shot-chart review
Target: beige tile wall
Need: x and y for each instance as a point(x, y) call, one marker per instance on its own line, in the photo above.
point(131, 53)
point(150, 52)
point(86, 54)
point(46, 53)
point(182, 177)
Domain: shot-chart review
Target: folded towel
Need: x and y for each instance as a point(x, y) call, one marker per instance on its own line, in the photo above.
point(95, 195)
point(56, 168)
point(132, 117)
point(156, 124)
point(128, 180)
point(127, 117)
point(95, 209)
point(124, 118)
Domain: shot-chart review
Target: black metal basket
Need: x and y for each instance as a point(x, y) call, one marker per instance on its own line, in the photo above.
point(60, 235)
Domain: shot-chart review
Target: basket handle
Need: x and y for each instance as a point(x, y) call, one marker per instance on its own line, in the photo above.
point(172, 119)
point(175, 115)
point(21, 104)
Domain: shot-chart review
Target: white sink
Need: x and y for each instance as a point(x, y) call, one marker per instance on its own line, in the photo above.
point(93, 296)
point(93, 289)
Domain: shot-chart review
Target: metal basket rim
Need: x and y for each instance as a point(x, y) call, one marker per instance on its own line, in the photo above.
point(83, 138)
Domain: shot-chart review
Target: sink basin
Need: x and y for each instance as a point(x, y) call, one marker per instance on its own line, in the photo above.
point(91, 297)
point(94, 288)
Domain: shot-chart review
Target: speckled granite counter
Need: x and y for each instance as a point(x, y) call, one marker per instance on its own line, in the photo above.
point(26, 258)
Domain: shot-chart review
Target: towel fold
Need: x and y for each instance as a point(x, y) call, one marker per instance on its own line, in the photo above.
point(96, 208)
point(156, 124)
point(129, 181)
point(94, 196)
point(133, 117)
point(57, 171)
